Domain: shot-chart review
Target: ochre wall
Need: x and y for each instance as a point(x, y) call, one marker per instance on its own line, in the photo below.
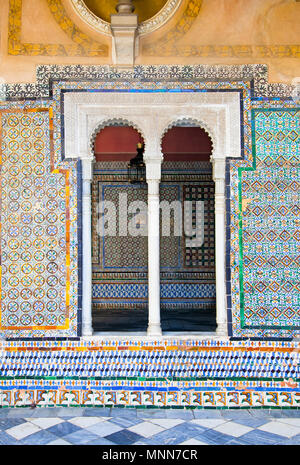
point(201, 31)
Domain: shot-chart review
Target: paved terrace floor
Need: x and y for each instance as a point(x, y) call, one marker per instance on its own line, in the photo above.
point(109, 426)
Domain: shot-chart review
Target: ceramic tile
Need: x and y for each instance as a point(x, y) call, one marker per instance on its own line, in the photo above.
point(281, 429)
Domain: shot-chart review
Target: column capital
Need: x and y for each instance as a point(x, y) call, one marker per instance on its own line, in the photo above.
point(153, 169)
point(87, 168)
point(153, 157)
point(218, 168)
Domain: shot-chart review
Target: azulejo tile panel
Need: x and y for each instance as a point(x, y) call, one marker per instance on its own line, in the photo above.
point(234, 306)
point(270, 226)
point(168, 373)
point(36, 227)
point(265, 229)
point(163, 373)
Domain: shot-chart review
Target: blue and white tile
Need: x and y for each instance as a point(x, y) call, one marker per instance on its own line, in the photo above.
point(290, 421)
point(168, 437)
point(104, 429)
point(282, 429)
point(146, 429)
point(124, 437)
point(85, 422)
point(259, 437)
point(42, 437)
point(209, 423)
point(59, 442)
point(233, 429)
point(125, 422)
point(80, 437)
point(167, 423)
point(45, 423)
point(21, 431)
point(62, 429)
point(193, 442)
point(213, 437)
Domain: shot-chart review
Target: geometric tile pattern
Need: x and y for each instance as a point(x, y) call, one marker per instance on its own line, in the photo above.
point(35, 239)
point(203, 72)
point(114, 426)
point(134, 373)
point(219, 374)
point(269, 236)
point(140, 291)
point(204, 255)
point(45, 74)
point(119, 252)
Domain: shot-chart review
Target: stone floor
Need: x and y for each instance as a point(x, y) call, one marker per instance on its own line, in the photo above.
point(108, 426)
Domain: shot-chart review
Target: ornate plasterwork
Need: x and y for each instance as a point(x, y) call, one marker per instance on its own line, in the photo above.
point(218, 113)
point(187, 122)
point(111, 122)
point(150, 25)
point(160, 18)
point(89, 17)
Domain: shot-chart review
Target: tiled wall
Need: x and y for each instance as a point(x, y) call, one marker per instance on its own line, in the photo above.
point(265, 226)
point(40, 244)
point(38, 215)
point(169, 373)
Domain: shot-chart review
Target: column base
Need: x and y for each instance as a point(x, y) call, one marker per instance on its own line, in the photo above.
point(154, 330)
point(87, 331)
point(221, 329)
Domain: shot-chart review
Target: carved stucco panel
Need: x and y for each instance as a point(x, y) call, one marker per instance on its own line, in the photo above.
point(218, 113)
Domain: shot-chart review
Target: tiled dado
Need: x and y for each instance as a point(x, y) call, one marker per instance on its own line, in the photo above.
point(192, 398)
point(169, 373)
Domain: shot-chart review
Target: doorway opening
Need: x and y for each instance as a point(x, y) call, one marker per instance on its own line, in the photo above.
point(187, 261)
point(119, 259)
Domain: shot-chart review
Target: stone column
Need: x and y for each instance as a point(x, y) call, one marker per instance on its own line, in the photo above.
point(153, 175)
point(87, 329)
point(220, 234)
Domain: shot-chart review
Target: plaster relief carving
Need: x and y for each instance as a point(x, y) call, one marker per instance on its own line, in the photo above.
point(219, 114)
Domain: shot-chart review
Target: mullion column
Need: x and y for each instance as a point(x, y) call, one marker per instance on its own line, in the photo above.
point(87, 329)
point(219, 178)
point(153, 175)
